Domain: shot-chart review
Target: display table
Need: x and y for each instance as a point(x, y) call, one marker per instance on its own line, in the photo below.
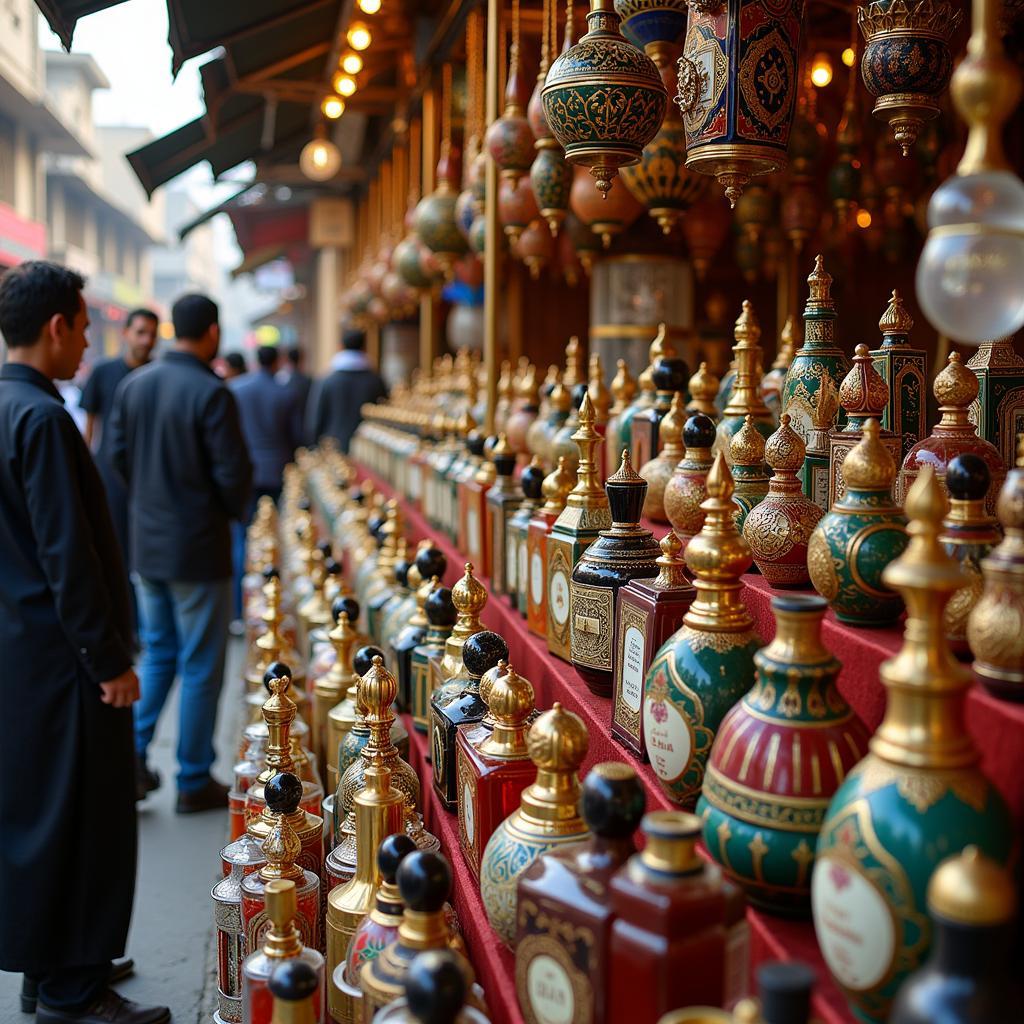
point(998, 728)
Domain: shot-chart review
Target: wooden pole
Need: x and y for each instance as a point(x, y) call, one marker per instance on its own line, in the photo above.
point(492, 251)
point(427, 136)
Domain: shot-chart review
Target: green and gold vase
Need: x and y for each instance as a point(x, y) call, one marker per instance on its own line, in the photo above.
point(749, 470)
point(917, 797)
point(903, 369)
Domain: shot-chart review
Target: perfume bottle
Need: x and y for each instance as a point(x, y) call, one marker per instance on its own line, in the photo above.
point(330, 687)
point(564, 921)
point(745, 399)
point(293, 986)
point(473, 506)
point(281, 943)
point(749, 470)
point(469, 596)
point(648, 613)
point(903, 369)
point(685, 493)
point(413, 630)
point(622, 553)
point(517, 555)
point(1000, 408)
point(436, 991)
point(668, 376)
point(503, 498)
point(660, 348)
point(457, 703)
point(441, 616)
point(668, 937)
point(703, 389)
point(816, 472)
point(659, 470)
point(491, 776)
point(623, 388)
point(555, 490)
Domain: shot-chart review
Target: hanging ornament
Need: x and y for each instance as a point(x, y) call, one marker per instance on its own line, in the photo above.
point(516, 206)
point(535, 248)
point(906, 63)
point(755, 210)
point(606, 216)
point(737, 88)
point(705, 228)
point(655, 26)
point(509, 139)
point(604, 98)
point(584, 242)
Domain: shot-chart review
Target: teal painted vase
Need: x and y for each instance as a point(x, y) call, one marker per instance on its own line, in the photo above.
point(852, 545)
point(548, 815)
point(918, 797)
point(708, 663)
point(749, 470)
point(780, 755)
point(817, 358)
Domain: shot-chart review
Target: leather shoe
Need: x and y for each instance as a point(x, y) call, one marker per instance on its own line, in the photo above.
point(121, 968)
point(109, 1008)
point(212, 796)
point(146, 779)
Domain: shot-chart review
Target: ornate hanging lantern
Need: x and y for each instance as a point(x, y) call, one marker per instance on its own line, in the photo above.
point(705, 228)
point(517, 207)
point(605, 216)
point(414, 263)
point(535, 248)
point(509, 139)
point(604, 98)
point(655, 26)
point(737, 88)
point(906, 63)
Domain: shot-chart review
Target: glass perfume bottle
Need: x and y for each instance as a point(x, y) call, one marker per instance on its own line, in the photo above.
point(491, 776)
point(745, 399)
point(658, 472)
point(281, 942)
point(441, 617)
point(330, 686)
point(431, 565)
point(469, 596)
point(686, 491)
point(749, 470)
point(660, 348)
point(669, 376)
point(473, 506)
point(517, 556)
point(503, 498)
point(435, 993)
point(555, 490)
point(564, 893)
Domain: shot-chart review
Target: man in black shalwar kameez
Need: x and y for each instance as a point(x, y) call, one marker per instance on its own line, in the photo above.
point(67, 785)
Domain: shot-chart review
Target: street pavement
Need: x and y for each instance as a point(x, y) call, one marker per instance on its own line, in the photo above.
point(172, 936)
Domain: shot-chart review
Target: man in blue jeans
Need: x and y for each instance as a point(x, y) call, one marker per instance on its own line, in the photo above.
point(177, 442)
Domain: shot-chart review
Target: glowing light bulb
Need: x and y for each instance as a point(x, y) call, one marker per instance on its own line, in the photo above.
point(849, 56)
point(369, 6)
point(359, 37)
point(332, 107)
point(863, 218)
point(821, 70)
point(319, 159)
point(343, 84)
point(351, 63)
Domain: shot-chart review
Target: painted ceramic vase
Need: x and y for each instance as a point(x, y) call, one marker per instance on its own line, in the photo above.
point(906, 64)
point(903, 370)
point(819, 356)
point(779, 756)
point(745, 401)
point(737, 88)
point(917, 797)
point(551, 178)
point(436, 224)
point(749, 470)
point(779, 527)
point(864, 531)
point(517, 207)
point(685, 492)
point(604, 99)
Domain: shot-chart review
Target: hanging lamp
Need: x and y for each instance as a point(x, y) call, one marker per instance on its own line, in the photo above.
point(509, 139)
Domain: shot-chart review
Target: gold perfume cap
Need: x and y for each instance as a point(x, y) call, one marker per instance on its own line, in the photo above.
point(784, 451)
point(747, 330)
point(558, 741)
point(869, 466)
point(282, 940)
point(573, 363)
point(863, 391)
point(282, 848)
point(787, 344)
point(955, 387)
point(561, 399)
point(557, 485)
point(820, 284)
point(970, 888)
point(469, 595)
point(378, 690)
point(596, 388)
point(747, 444)
point(703, 388)
point(511, 698)
point(623, 386)
point(671, 429)
point(671, 842)
point(896, 319)
point(671, 564)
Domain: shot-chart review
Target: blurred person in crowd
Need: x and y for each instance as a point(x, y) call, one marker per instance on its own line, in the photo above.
point(67, 786)
point(335, 406)
point(268, 412)
point(177, 441)
point(139, 337)
point(292, 376)
point(232, 366)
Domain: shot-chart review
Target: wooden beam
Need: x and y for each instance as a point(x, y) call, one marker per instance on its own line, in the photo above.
point(492, 248)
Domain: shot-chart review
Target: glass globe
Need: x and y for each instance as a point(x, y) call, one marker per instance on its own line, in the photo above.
point(320, 160)
point(969, 279)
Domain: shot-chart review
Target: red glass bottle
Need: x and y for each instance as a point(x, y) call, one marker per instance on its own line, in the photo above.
point(564, 916)
point(491, 777)
point(668, 944)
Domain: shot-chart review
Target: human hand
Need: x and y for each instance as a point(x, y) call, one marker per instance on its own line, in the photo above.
point(121, 692)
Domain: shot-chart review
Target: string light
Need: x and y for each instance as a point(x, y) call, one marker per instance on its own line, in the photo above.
point(332, 107)
point(359, 37)
point(863, 218)
point(821, 70)
point(320, 158)
point(351, 63)
point(344, 85)
point(849, 56)
point(369, 6)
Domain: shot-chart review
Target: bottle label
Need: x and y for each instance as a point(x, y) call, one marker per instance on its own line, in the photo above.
point(854, 923)
point(592, 626)
point(468, 816)
point(522, 567)
point(558, 597)
point(550, 991)
point(473, 530)
point(536, 579)
point(633, 645)
point(668, 738)
point(511, 563)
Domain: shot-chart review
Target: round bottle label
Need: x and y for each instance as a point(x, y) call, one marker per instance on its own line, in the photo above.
point(668, 739)
point(854, 924)
point(558, 598)
point(536, 578)
point(550, 990)
point(468, 820)
point(633, 668)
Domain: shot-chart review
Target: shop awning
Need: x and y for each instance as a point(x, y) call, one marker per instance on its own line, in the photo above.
point(63, 15)
point(258, 258)
point(207, 215)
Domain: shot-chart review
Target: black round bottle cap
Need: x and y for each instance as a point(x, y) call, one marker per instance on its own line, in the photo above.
point(670, 375)
point(283, 793)
point(483, 651)
point(374, 523)
point(359, 496)
point(699, 431)
point(292, 981)
point(968, 477)
point(532, 482)
point(424, 880)
point(332, 568)
point(579, 392)
point(435, 987)
point(806, 603)
point(475, 442)
point(325, 549)
point(431, 562)
point(275, 670)
point(271, 573)
point(348, 605)
point(440, 608)
point(784, 988)
point(392, 851)
point(362, 660)
point(613, 800)
point(402, 573)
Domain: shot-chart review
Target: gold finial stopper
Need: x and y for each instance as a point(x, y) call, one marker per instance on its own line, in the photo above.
point(573, 363)
point(955, 387)
point(747, 330)
point(342, 638)
point(746, 389)
point(747, 444)
point(599, 393)
point(588, 492)
point(970, 888)
point(558, 741)
point(863, 392)
point(869, 466)
point(826, 407)
point(820, 284)
point(560, 400)
point(469, 595)
point(526, 388)
point(703, 388)
point(784, 451)
point(671, 841)
point(509, 704)
point(282, 848)
point(787, 345)
point(501, 448)
point(896, 319)
point(623, 387)
point(671, 564)
point(557, 486)
point(279, 713)
point(282, 939)
point(625, 474)
point(671, 431)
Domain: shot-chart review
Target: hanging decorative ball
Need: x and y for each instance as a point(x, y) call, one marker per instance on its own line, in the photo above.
point(551, 179)
point(604, 99)
point(509, 139)
point(655, 26)
point(737, 87)
point(584, 242)
point(516, 206)
point(469, 270)
point(535, 248)
point(705, 228)
point(607, 216)
point(906, 64)
point(435, 219)
point(478, 234)
point(465, 211)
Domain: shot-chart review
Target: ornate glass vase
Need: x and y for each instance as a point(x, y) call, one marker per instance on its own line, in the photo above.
point(778, 757)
